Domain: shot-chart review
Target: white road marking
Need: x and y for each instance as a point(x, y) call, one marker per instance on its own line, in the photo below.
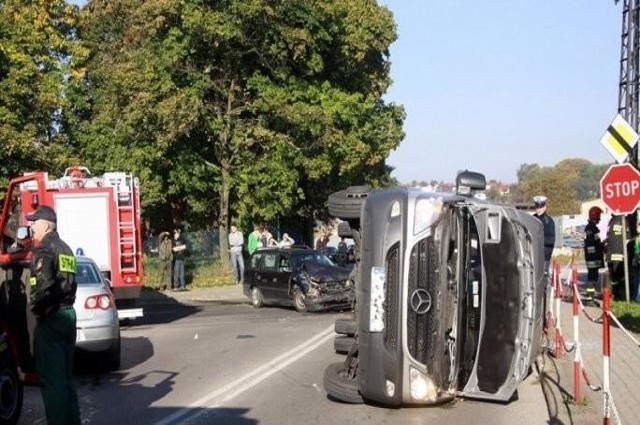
point(220, 396)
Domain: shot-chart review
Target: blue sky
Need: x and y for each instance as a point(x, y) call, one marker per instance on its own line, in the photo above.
point(490, 85)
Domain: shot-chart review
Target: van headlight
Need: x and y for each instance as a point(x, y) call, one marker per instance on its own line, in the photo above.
point(422, 387)
point(378, 281)
point(427, 211)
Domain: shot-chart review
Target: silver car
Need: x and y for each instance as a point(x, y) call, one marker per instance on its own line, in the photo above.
point(98, 327)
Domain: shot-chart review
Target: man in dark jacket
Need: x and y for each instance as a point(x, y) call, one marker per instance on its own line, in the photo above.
point(549, 226)
point(593, 251)
point(53, 291)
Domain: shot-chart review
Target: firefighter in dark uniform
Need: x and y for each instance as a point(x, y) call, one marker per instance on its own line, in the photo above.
point(615, 256)
point(593, 251)
point(53, 291)
point(549, 229)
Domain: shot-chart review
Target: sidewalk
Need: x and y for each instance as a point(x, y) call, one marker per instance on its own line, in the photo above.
point(624, 367)
point(229, 293)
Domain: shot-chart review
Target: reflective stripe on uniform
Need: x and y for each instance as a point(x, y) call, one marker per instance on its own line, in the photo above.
point(593, 264)
point(617, 257)
point(32, 281)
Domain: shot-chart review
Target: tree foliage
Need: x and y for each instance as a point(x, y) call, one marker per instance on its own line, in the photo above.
point(36, 41)
point(245, 109)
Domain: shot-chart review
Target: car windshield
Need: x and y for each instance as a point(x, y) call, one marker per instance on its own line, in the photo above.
point(311, 257)
point(86, 273)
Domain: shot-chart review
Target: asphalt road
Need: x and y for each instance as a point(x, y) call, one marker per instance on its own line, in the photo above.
point(226, 363)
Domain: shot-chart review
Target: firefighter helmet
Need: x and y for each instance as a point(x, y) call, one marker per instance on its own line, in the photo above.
point(594, 213)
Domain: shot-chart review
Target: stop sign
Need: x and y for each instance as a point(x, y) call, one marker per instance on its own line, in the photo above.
point(620, 188)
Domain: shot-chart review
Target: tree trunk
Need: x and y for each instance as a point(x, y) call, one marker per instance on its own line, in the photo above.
point(223, 223)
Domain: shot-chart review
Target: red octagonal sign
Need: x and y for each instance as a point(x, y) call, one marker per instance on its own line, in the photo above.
point(620, 188)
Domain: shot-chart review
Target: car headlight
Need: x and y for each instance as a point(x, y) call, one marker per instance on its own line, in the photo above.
point(427, 211)
point(422, 387)
point(378, 280)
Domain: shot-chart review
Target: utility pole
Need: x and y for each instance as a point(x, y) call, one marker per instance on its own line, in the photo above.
point(628, 101)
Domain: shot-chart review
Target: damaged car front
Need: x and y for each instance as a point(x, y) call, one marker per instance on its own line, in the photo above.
point(325, 285)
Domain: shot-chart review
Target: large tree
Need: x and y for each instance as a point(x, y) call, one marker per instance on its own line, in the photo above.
point(251, 109)
point(37, 38)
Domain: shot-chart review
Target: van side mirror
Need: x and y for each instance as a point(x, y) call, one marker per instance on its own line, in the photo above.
point(24, 232)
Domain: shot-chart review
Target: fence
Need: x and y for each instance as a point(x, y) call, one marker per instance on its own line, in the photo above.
point(567, 290)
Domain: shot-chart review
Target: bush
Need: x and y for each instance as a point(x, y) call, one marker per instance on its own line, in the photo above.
point(199, 273)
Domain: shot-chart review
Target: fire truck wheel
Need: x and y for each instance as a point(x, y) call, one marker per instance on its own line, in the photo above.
point(342, 344)
point(11, 391)
point(298, 300)
point(339, 386)
point(346, 204)
point(256, 297)
point(345, 327)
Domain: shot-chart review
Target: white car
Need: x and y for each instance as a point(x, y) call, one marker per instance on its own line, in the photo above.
point(98, 327)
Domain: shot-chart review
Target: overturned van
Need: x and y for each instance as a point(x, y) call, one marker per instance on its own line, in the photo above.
point(449, 297)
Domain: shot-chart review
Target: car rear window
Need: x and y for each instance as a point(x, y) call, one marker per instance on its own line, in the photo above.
point(86, 273)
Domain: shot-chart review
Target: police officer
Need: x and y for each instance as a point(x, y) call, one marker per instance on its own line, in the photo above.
point(593, 251)
point(549, 229)
point(53, 291)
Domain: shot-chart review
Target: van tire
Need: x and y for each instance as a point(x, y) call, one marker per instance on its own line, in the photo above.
point(338, 385)
point(347, 204)
point(342, 344)
point(345, 327)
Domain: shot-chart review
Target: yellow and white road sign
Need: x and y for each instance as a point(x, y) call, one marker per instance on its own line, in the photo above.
point(619, 139)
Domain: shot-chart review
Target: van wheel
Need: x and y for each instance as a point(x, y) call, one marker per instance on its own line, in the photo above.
point(298, 300)
point(11, 392)
point(339, 386)
point(342, 344)
point(345, 327)
point(256, 298)
point(346, 204)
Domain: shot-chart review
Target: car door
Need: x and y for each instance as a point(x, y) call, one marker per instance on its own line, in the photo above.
point(251, 271)
point(282, 285)
point(267, 277)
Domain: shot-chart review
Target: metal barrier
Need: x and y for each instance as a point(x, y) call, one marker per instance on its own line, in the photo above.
point(553, 321)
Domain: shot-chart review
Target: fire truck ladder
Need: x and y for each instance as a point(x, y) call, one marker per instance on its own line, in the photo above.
point(127, 247)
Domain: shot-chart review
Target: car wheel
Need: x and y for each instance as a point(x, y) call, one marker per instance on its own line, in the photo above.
point(339, 386)
point(256, 298)
point(113, 356)
point(342, 344)
point(346, 204)
point(11, 391)
point(298, 300)
point(345, 327)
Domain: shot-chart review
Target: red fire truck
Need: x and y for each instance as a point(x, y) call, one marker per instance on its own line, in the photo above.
point(98, 217)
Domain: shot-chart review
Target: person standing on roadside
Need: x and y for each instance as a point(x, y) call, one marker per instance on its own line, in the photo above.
point(179, 250)
point(593, 251)
point(53, 292)
point(253, 241)
point(236, 241)
point(549, 229)
point(165, 253)
point(615, 256)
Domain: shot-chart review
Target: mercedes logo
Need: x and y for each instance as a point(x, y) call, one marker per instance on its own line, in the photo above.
point(420, 301)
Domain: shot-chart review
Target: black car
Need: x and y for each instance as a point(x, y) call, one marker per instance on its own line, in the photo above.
point(304, 278)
